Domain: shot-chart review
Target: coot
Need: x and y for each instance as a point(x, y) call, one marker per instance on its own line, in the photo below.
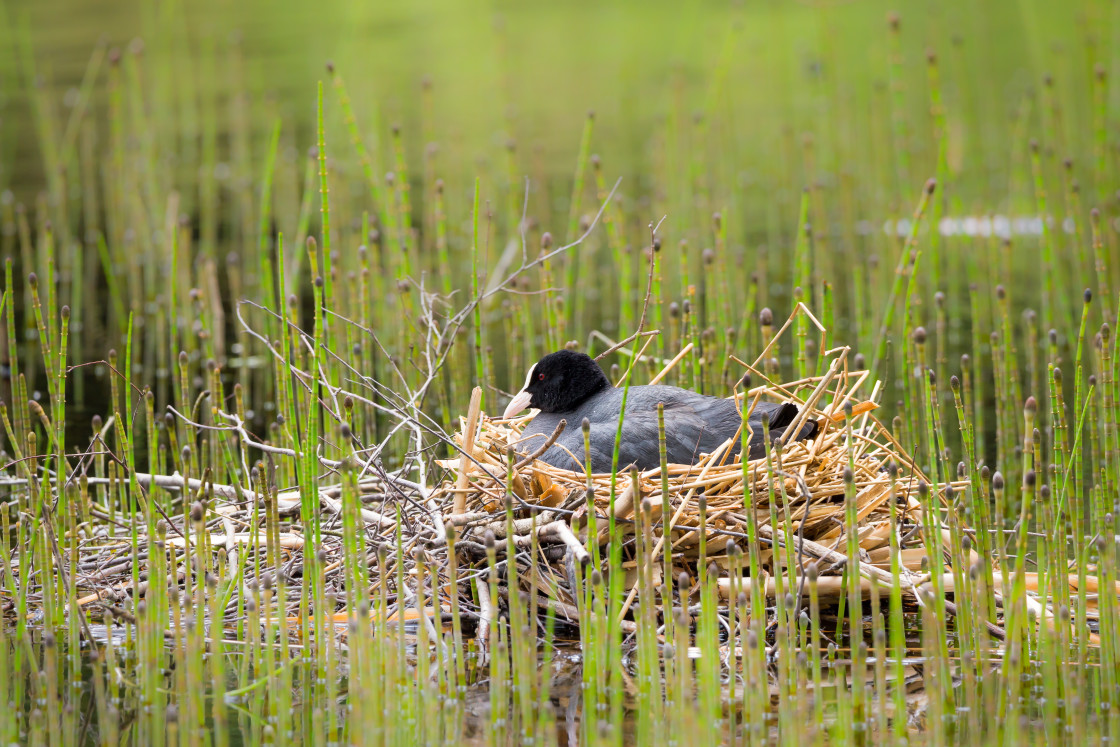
point(570, 386)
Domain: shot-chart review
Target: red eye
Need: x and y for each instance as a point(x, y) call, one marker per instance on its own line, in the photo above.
point(540, 376)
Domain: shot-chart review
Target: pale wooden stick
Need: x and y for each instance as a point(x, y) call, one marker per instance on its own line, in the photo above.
point(812, 318)
point(287, 541)
point(560, 530)
point(793, 315)
point(618, 346)
point(669, 366)
point(634, 361)
point(486, 613)
point(828, 587)
point(460, 505)
point(811, 402)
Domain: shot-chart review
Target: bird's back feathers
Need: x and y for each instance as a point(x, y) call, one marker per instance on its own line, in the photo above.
point(695, 424)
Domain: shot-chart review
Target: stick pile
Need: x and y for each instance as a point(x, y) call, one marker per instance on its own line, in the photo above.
point(795, 498)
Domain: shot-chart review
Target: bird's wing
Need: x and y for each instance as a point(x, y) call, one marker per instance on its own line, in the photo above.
point(781, 415)
point(639, 443)
point(566, 452)
point(694, 424)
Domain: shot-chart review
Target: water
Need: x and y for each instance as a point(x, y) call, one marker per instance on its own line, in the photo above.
point(699, 113)
point(494, 64)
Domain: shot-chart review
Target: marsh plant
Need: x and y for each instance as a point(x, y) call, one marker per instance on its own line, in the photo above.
point(248, 331)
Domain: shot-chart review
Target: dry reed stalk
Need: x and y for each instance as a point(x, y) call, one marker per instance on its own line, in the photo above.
point(810, 490)
point(671, 364)
point(468, 448)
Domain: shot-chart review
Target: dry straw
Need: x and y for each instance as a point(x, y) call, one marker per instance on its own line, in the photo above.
point(805, 480)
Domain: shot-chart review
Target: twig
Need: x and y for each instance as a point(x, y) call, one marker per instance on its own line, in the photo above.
point(468, 447)
point(621, 343)
point(543, 447)
point(669, 366)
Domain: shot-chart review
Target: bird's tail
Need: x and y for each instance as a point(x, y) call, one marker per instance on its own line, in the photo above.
point(788, 413)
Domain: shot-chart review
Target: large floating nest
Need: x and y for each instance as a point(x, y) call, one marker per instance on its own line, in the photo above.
point(794, 499)
point(815, 509)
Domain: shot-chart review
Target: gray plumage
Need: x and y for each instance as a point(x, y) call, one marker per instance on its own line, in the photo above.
point(695, 424)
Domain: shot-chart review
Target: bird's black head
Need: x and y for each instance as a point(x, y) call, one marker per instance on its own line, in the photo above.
point(559, 382)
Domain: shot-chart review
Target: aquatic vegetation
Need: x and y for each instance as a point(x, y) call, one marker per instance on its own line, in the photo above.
point(245, 493)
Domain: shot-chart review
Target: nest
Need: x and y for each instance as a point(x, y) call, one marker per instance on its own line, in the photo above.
point(794, 499)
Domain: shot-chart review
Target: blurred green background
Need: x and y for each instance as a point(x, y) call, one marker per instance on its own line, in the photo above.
point(139, 134)
point(529, 71)
point(161, 176)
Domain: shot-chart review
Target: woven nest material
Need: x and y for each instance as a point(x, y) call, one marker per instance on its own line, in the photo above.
point(794, 497)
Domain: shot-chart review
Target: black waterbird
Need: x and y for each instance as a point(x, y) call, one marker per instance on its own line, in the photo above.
point(570, 386)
